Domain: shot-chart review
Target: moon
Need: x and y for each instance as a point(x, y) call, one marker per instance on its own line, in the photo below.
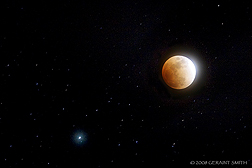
point(178, 72)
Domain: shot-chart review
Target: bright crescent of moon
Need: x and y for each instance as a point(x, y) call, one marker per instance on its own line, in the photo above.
point(178, 72)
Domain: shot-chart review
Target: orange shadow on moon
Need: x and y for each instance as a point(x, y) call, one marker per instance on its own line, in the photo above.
point(184, 75)
point(178, 72)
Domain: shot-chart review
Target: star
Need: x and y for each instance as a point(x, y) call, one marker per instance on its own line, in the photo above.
point(79, 138)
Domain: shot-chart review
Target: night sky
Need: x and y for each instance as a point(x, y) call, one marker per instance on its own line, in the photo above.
point(80, 84)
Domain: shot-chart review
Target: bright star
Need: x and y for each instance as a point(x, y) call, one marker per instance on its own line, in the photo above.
point(79, 138)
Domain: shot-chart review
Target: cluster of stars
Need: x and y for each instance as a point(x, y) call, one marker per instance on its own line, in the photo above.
point(66, 90)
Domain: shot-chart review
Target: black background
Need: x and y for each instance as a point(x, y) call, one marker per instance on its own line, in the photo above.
point(74, 68)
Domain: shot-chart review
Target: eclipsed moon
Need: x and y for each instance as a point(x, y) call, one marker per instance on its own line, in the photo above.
point(178, 72)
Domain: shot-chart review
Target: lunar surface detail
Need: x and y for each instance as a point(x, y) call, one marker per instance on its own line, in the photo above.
point(178, 72)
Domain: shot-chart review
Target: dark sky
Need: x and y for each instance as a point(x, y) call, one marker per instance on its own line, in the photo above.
point(80, 84)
